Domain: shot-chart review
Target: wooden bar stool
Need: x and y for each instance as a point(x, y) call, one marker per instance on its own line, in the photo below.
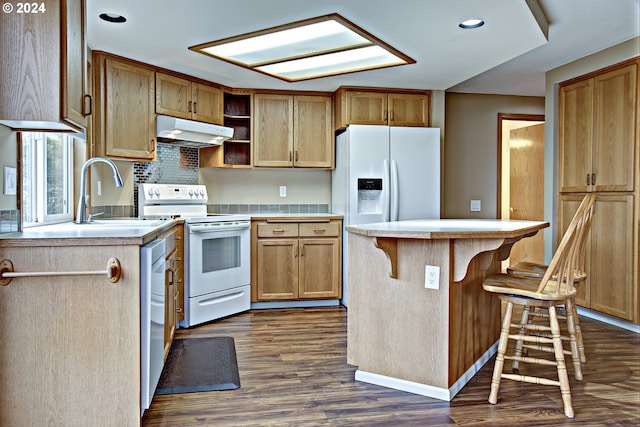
point(553, 289)
point(536, 271)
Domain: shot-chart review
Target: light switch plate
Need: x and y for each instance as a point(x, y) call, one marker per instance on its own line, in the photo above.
point(10, 181)
point(283, 191)
point(475, 206)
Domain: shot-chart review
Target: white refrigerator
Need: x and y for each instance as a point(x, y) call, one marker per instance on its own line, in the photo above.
point(384, 173)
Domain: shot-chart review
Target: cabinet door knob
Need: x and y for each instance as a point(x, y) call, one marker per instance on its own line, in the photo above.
point(593, 179)
point(588, 179)
point(189, 107)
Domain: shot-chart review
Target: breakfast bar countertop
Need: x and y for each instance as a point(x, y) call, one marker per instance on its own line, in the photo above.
point(448, 228)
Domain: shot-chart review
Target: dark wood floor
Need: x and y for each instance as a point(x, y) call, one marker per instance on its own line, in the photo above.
point(293, 372)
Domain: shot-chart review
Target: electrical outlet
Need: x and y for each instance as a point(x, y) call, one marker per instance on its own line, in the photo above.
point(431, 277)
point(283, 191)
point(99, 188)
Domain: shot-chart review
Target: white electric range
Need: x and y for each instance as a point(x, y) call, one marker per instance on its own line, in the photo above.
point(216, 249)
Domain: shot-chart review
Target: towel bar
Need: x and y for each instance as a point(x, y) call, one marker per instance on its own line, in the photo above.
point(113, 272)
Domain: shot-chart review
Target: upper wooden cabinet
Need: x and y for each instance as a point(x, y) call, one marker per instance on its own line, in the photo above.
point(293, 131)
point(43, 68)
point(368, 106)
point(124, 127)
point(313, 132)
point(597, 131)
point(178, 97)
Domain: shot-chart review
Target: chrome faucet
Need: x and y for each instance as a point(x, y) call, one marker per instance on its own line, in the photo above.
point(81, 215)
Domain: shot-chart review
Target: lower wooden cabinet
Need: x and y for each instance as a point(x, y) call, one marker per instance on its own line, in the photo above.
point(612, 283)
point(296, 260)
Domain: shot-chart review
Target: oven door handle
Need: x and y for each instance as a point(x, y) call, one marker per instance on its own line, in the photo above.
point(217, 228)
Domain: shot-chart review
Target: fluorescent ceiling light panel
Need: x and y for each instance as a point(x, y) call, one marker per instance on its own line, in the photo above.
point(318, 47)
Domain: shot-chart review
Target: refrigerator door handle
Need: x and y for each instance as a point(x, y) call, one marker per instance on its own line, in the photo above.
point(385, 191)
point(394, 190)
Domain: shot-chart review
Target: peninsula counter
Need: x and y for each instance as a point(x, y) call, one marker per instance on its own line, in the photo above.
point(425, 341)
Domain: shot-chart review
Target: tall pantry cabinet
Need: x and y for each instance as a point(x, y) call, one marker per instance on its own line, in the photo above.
point(599, 116)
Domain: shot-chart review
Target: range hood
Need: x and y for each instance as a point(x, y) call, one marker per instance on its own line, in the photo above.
point(190, 133)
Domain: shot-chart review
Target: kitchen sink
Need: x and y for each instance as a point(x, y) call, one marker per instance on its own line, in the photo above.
point(101, 224)
point(122, 223)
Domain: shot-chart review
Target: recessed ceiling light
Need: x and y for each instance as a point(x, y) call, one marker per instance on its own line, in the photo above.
point(319, 47)
point(471, 23)
point(112, 17)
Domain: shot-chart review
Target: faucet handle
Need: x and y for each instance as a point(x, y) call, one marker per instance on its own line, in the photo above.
point(92, 215)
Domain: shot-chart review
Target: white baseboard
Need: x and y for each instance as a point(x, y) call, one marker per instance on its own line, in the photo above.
point(609, 320)
point(424, 389)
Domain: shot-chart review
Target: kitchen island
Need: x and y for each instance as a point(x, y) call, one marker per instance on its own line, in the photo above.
point(425, 341)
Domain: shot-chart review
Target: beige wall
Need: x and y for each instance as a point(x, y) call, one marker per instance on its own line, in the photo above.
point(110, 195)
point(247, 186)
point(8, 156)
point(471, 149)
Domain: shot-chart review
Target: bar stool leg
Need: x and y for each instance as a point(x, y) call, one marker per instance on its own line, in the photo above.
point(563, 377)
point(524, 320)
point(502, 348)
point(573, 342)
point(576, 321)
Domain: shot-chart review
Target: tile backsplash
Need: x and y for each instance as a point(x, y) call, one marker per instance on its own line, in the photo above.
point(301, 208)
point(174, 165)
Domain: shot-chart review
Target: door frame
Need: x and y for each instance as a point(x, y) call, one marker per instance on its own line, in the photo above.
point(501, 118)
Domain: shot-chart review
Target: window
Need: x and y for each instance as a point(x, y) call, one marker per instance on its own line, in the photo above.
point(47, 178)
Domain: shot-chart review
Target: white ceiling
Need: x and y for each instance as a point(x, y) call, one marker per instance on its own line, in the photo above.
point(508, 55)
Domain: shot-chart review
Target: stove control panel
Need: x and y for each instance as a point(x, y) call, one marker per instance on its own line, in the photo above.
point(155, 194)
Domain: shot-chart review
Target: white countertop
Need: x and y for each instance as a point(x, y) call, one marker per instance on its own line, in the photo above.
point(102, 232)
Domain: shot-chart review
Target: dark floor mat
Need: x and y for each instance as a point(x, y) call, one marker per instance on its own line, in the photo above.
point(200, 364)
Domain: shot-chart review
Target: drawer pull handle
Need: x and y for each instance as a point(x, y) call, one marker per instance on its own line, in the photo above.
point(278, 230)
point(319, 230)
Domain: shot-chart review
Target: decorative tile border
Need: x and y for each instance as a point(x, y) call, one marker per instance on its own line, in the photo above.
point(297, 208)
